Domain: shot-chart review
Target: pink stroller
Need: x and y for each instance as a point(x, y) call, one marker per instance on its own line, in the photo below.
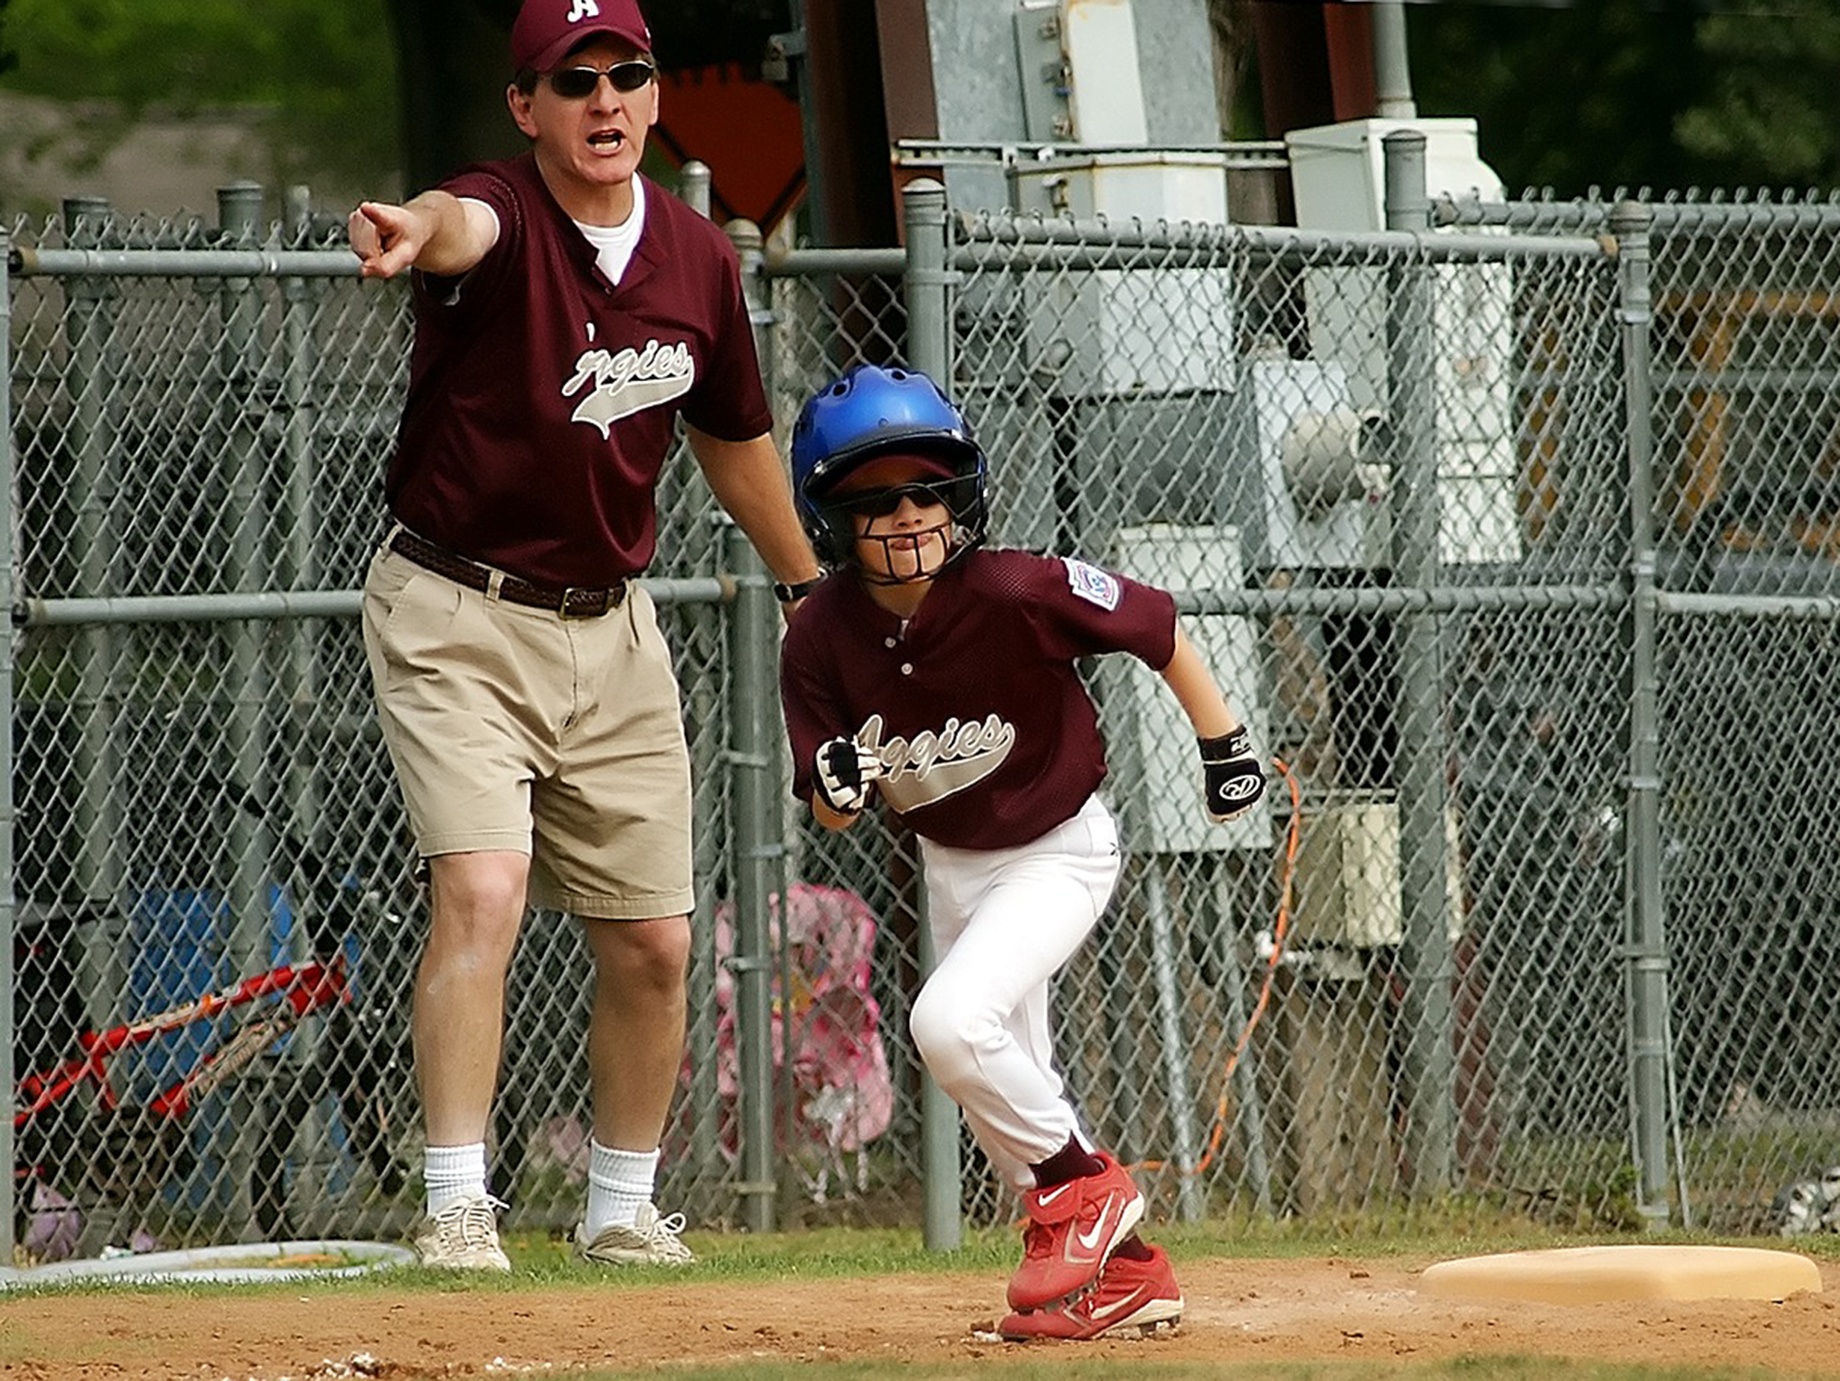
point(826, 1027)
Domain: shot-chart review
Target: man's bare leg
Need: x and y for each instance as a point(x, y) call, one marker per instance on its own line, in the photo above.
point(635, 1049)
point(457, 1022)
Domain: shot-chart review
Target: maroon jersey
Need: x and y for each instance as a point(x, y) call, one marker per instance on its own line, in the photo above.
point(542, 398)
point(986, 735)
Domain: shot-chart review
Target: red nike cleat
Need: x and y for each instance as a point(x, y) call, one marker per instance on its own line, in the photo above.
point(1072, 1229)
point(1130, 1294)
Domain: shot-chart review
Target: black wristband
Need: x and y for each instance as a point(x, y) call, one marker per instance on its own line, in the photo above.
point(786, 594)
point(1225, 746)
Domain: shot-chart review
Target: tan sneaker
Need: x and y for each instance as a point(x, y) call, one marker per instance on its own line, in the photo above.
point(651, 1241)
point(464, 1237)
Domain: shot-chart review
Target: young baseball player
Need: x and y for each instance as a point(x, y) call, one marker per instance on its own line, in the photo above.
point(940, 675)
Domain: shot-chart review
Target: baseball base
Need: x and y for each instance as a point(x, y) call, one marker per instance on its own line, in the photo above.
point(1596, 1275)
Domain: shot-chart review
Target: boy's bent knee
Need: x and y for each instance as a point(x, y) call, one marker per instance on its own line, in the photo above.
point(949, 1042)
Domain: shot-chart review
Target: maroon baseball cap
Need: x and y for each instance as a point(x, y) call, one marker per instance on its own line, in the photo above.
point(547, 31)
point(894, 467)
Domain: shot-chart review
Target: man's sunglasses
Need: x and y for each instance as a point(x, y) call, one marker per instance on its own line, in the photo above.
point(883, 503)
point(574, 83)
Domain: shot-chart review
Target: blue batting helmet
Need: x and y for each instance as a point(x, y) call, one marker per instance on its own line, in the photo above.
point(875, 411)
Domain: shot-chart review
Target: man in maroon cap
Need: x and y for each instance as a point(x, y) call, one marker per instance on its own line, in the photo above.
point(568, 312)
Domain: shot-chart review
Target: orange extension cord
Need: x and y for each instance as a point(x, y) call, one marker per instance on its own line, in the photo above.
point(1278, 932)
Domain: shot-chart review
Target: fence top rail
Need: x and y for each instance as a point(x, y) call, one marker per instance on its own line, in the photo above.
point(1582, 215)
point(24, 261)
point(793, 263)
point(1286, 242)
point(1243, 153)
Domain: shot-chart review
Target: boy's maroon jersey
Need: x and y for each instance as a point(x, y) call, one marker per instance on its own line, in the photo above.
point(542, 398)
point(974, 707)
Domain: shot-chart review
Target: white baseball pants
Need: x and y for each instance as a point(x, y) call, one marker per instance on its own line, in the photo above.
point(1004, 921)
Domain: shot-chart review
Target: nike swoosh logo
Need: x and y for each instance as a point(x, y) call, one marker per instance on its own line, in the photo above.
point(1130, 1301)
point(1048, 1196)
point(1090, 1240)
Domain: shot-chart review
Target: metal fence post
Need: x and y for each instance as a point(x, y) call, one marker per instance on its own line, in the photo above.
point(693, 186)
point(8, 908)
point(247, 944)
point(1645, 937)
point(926, 283)
point(95, 546)
point(1425, 955)
point(757, 832)
point(704, 719)
point(297, 537)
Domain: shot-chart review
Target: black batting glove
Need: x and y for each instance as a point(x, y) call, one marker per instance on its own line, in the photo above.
point(842, 772)
point(1233, 778)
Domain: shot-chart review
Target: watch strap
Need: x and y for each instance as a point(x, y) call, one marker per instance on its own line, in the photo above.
point(786, 594)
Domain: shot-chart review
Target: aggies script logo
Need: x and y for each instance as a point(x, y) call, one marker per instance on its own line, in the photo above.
point(931, 766)
point(628, 381)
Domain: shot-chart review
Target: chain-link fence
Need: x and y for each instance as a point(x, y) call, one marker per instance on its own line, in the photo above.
point(1512, 541)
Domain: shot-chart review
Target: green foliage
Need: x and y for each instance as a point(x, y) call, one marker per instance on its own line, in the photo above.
point(1774, 104)
point(8, 58)
point(1639, 93)
point(317, 79)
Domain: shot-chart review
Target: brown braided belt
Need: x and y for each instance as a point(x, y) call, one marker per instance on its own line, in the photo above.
point(575, 602)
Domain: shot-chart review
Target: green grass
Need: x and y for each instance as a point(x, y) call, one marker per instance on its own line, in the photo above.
point(835, 1253)
point(1107, 1369)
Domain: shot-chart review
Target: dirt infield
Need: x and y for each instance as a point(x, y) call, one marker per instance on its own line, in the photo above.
point(1340, 1309)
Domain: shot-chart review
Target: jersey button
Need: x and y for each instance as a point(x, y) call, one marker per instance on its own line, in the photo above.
point(907, 668)
point(889, 642)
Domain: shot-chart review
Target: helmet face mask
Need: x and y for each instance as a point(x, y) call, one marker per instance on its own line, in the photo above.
point(860, 520)
point(868, 413)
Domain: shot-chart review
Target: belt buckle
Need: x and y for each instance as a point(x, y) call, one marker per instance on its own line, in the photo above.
point(590, 611)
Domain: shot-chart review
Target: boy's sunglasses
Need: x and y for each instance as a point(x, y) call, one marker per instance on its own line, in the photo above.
point(882, 503)
point(573, 83)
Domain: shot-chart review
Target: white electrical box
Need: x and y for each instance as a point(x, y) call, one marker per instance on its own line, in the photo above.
point(1338, 179)
point(1106, 331)
point(1169, 811)
point(1148, 185)
point(1338, 172)
point(1345, 890)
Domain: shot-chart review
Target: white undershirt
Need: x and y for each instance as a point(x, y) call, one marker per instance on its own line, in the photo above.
point(614, 244)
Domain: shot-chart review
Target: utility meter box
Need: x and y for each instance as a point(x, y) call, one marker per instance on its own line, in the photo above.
point(1149, 185)
point(1338, 177)
point(1338, 172)
point(1346, 886)
point(1149, 329)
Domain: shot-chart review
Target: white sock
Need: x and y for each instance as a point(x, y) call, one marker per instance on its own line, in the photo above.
point(618, 1183)
point(453, 1173)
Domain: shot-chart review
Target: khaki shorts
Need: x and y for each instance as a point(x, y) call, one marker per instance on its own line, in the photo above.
point(513, 728)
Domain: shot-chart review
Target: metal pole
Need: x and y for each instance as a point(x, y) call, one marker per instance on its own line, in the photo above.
point(1175, 1045)
point(693, 183)
point(1645, 948)
point(758, 830)
point(1426, 958)
point(298, 536)
point(95, 545)
point(927, 287)
point(756, 850)
point(704, 724)
point(239, 212)
point(1249, 1103)
point(1392, 66)
point(8, 908)
point(296, 540)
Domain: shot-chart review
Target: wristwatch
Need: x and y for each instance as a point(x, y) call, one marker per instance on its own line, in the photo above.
point(786, 594)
